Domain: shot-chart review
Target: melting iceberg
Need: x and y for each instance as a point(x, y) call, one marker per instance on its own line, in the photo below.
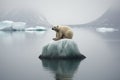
point(5, 25)
point(18, 26)
point(104, 29)
point(12, 26)
point(64, 48)
point(37, 28)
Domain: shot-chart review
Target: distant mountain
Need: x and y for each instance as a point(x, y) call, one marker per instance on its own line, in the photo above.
point(19, 15)
point(109, 19)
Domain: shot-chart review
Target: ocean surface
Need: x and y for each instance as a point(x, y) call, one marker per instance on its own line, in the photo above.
point(19, 52)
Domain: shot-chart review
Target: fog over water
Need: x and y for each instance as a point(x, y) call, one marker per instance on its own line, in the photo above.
point(56, 11)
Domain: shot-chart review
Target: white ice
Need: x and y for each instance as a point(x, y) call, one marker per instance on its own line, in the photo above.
point(18, 26)
point(61, 48)
point(37, 28)
point(5, 24)
point(104, 29)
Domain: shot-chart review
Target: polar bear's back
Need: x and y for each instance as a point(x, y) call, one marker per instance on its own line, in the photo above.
point(67, 31)
point(64, 28)
point(69, 34)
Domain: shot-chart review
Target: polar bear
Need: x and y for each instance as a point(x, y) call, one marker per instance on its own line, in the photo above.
point(62, 32)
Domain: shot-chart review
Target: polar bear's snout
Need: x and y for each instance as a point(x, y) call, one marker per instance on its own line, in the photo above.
point(52, 28)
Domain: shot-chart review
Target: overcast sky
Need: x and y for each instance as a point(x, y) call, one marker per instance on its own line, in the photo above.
point(61, 11)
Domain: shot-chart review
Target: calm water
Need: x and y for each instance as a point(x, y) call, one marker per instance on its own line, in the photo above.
point(19, 52)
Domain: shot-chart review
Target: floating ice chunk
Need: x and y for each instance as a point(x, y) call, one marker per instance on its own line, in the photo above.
point(36, 32)
point(5, 24)
point(37, 28)
point(29, 29)
point(19, 25)
point(64, 48)
point(40, 28)
point(10, 25)
point(7, 21)
point(8, 29)
point(104, 29)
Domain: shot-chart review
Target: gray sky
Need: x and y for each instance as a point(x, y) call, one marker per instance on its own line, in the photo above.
point(61, 11)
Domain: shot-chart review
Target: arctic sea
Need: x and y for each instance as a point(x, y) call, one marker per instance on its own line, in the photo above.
point(19, 52)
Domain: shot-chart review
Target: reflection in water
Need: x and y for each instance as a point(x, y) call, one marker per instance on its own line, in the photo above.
point(8, 37)
point(63, 69)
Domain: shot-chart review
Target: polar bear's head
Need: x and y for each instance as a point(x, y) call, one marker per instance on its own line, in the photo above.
point(55, 28)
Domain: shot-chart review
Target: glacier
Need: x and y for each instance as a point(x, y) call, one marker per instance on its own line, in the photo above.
point(63, 49)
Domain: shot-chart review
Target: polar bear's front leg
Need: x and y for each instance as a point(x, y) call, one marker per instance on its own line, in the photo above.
point(55, 39)
point(58, 36)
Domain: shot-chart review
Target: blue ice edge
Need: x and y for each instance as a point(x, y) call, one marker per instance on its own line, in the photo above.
point(61, 49)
